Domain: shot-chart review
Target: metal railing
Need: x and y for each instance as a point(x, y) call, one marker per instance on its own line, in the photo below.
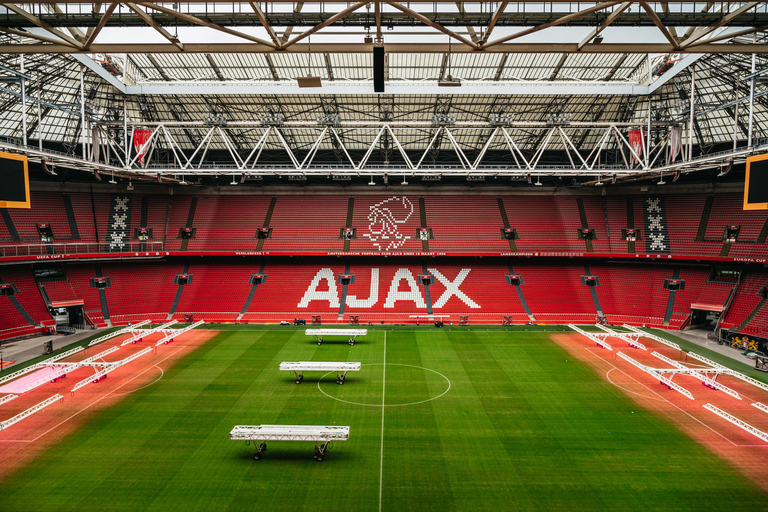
point(42, 249)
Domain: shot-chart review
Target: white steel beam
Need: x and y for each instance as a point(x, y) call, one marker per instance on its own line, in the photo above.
point(393, 87)
point(177, 332)
point(42, 405)
point(533, 47)
point(736, 421)
point(652, 337)
point(94, 66)
point(7, 398)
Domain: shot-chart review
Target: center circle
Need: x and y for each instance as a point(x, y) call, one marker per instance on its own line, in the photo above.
point(401, 369)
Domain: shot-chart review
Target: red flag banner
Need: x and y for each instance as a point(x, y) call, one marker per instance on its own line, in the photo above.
point(636, 142)
point(140, 142)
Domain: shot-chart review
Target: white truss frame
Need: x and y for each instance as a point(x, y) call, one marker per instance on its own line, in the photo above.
point(698, 373)
point(351, 334)
point(140, 333)
point(322, 436)
point(730, 372)
point(656, 374)
point(39, 407)
point(117, 333)
point(653, 337)
point(110, 367)
point(597, 337)
point(289, 433)
point(631, 338)
point(42, 364)
point(172, 333)
point(760, 406)
point(299, 367)
point(247, 164)
point(736, 421)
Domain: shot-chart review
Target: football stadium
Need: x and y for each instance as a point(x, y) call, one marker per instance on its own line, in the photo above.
point(384, 256)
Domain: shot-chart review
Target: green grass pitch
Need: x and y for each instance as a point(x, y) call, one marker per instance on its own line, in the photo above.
point(523, 427)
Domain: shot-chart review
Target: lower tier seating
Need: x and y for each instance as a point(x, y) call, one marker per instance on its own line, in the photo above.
point(390, 290)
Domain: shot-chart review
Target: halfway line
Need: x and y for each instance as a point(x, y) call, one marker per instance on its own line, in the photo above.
point(383, 391)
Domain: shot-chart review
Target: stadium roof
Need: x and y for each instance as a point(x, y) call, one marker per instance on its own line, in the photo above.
point(231, 68)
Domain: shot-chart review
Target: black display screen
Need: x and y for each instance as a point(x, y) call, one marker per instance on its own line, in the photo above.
point(758, 182)
point(14, 187)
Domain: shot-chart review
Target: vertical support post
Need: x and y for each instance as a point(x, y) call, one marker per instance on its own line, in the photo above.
point(735, 117)
point(23, 102)
point(648, 137)
point(40, 124)
point(690, 121)
point(752, 99)
point(83, 136)
point(126, 142)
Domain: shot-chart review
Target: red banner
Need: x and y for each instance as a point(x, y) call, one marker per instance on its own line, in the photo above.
point(140, 142)
point(636, 142)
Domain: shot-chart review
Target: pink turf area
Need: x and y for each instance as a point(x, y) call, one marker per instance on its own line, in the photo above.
point(22, 384)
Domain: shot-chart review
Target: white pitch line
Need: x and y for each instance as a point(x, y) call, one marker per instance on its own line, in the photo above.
point(383, 391)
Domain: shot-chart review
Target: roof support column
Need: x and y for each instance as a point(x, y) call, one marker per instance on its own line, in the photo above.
point(125, 129)
point(752, 97)
point(82, 111)
point(22, 81)
point(735, 117)
point(40, 125)
point(690, 121)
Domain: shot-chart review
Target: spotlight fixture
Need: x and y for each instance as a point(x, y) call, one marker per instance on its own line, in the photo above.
point(599, 182)
point(538, 181)
point(404, 182)
point(233, 181)
point(130, 186)
point(725, 170)
point(661, 179)
point(598, 39)
point(182, 182)
point(112, 179)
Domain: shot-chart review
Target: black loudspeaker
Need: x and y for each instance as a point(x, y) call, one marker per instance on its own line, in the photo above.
point(378, 69)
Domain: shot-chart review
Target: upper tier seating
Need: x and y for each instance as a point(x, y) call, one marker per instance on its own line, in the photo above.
point(478, 227)
point(387, 223)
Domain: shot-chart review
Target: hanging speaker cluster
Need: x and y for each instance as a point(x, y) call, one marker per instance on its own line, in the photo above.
point(378, 69)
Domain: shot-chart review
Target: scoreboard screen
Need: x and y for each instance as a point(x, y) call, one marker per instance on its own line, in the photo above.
point(14, 176)
point(756, 184)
